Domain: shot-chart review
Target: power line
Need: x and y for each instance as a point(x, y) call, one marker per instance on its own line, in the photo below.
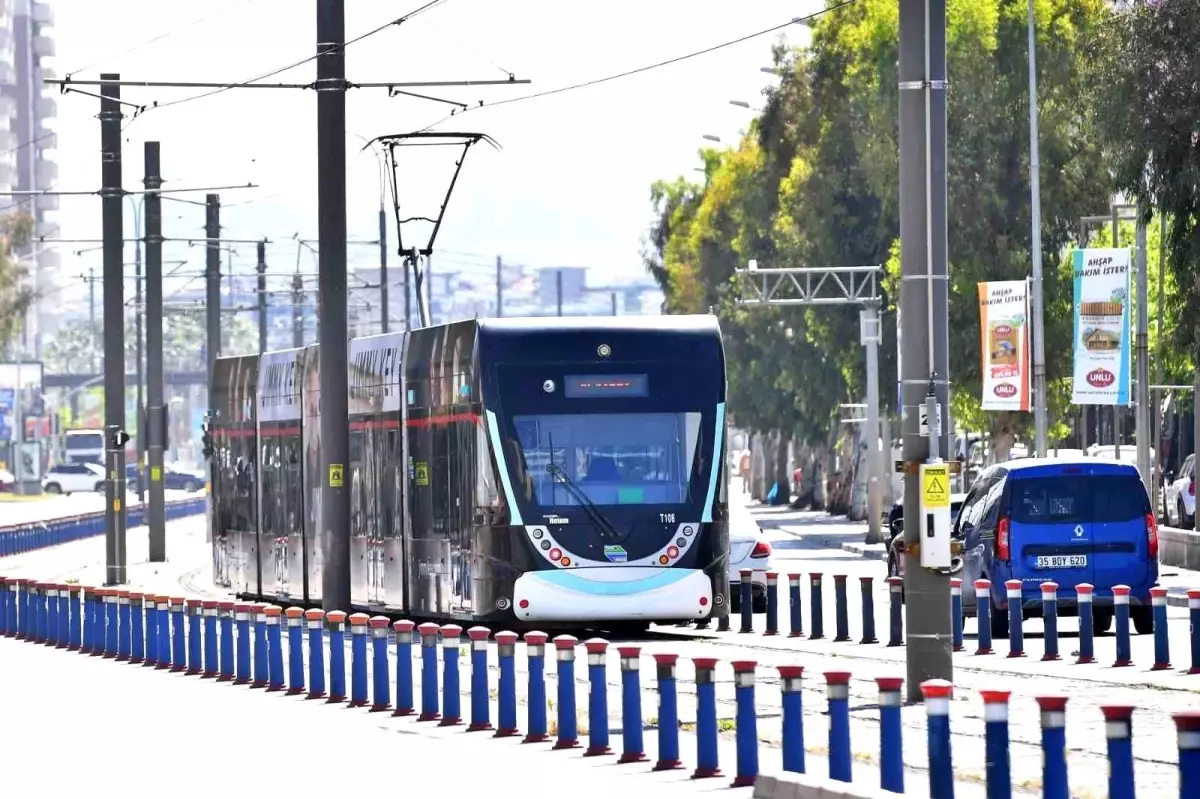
point(648, 67)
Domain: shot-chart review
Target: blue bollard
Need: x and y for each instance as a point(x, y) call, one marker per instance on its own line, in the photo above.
point(358, 659)
point(746, 600)
point(241, 619)
point(404, 675)
point(20, 613)
point(480, 702)
point(1187, 731)
point(956, 614)
point(51, 636)
point(841, 609)
point(837, 686)
point(314, 619)
point(163, 606)
point(3, 602)
point(995, 732)
point(336, 619)
point(429, 672)
point(1193, 596)
point(14, 609)
point(632, 744)
point(1162, 645)
point(210, 638)
point(137, 621)
point(124, 620)
point(564, 654)
point(535, 651)
point(597, 659)
point(790, 684)
point(1083, 595)
point(816, 607)
point(150, 605)
point(891, 738)
point(937, 695)
point(1118, 730)
point(1016, 634)
point(111, 623)
point(1050, 620)
point(195, 614)
point(707, 754)
point(177, 658)
point(1054, 747)
point(73, 619)
point(668, 713)
point(380, 675)
point(866, 587)
point(772, 604)
point(1121, 612)
point(747, 723)
point(275, 681)
point(451, 689)
point(64, 616)
point(225, 622)
point(895, 611)
point(983, 616)
point(35, 611)
point(261, 650)
point(295, 636)
point(506, 705)
point(797, 618)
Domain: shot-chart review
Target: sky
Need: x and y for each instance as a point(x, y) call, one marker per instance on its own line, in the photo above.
point(569, 185)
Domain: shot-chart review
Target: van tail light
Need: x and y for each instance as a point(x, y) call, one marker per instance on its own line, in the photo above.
point(1003, 551)
point(761, 550)
point(1192, 488)
point(1152, 535)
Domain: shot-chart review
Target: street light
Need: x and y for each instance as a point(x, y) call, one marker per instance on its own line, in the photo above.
point(710, 137)
point(740, 103)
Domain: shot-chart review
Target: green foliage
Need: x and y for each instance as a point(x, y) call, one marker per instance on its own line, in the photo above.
point(15, 295)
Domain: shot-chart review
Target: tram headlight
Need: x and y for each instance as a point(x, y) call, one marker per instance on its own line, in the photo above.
point(687, 530)
point(604, 350)
point(545, 545)
point(548, 386)
point(537, 534)
point(681, 542)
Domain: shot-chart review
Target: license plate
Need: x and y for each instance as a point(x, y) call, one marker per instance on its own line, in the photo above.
point(1061, 561)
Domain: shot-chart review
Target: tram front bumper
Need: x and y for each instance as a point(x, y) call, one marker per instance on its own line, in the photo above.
point(616, 593)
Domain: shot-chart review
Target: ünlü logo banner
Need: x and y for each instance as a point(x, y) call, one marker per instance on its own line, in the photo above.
point(1101, 327)
point(1004, 324)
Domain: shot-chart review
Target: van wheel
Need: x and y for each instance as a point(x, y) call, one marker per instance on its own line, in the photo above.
point(53, 488)
point(1102, 619)
point(1143, 620)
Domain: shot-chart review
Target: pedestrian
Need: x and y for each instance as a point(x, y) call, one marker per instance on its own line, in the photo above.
point(744, 469)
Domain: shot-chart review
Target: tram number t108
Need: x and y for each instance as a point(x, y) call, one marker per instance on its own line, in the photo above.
point(666, 518)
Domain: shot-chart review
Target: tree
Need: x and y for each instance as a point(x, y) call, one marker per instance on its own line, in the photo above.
point(15, 295)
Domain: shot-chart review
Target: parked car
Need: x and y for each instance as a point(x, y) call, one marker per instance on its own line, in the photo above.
point(1179, 495)
point(1069, 521)
point(894, 525)
point(749, 549)
point(73, 478)
point(174, 479)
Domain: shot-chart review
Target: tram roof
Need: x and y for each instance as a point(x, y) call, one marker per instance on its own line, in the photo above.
point(666, 323)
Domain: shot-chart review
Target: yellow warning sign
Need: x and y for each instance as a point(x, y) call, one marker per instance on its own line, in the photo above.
point(421, 473)
point(156, 474)
point(935, 485)
point(116, 506)
point(336, 475)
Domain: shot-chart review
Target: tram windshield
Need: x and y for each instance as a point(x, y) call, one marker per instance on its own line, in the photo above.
point(611, 458)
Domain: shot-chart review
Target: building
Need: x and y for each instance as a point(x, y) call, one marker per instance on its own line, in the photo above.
point(25, 141)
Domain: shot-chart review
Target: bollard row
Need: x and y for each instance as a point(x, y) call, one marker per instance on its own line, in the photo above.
point(32, 536)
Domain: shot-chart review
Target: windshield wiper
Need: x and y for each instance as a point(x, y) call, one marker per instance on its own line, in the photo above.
point(605, 526)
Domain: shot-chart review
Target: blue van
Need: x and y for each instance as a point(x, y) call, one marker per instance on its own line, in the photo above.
point(1067, 521)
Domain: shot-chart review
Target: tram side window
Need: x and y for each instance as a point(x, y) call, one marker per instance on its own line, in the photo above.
point(389, 485)
point(294, 489)
point(357, 527)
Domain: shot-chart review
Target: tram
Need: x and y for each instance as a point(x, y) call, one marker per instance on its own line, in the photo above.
point(562, 470)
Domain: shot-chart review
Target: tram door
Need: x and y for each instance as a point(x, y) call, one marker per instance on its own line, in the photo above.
point(388, 586)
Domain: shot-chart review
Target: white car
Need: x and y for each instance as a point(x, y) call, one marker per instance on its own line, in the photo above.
point(750, 549)
point(1179, 498)
point(72, 478)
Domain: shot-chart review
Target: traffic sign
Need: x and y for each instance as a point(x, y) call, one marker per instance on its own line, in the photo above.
point(336, 471)
point(925, 421)
point(935, 485)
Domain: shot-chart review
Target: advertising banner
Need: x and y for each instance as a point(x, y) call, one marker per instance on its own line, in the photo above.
point(1101, 342)
point(1004, 326)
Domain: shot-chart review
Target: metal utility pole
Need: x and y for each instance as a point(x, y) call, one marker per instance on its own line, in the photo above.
point(499, 287)
point(297, 311)
point(331, 267)
point(1142, 343)
point(212, 285)
point(112, 208)
point(408, 282)
point(1115, 217)
point(156, 419)
point(262, 295)
point(1158, 354)
point(385, 308)
point(138, 355)
point(92, 312)
point(1035, 184)
point(924, 302)
point(558, 289)
point(427, 281)
point(871, 336)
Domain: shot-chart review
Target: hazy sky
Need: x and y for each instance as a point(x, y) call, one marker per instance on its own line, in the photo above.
point(569, 187)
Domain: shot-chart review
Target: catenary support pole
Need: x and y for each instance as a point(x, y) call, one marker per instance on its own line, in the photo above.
point(261, 268)
point(112, 216)
point(139, 352)
point(297, 311)
point(1142, 344)
point(156, 420)
point(870, 335)
point(1035, 192)
point(331, 268)
point(212, 285)
point(385, 308)
point(499, 286)
point(923, 300)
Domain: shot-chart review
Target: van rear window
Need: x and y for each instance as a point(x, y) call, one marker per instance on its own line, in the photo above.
point(1071, 500)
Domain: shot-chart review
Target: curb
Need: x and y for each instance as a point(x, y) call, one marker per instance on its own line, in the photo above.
point(866, 551)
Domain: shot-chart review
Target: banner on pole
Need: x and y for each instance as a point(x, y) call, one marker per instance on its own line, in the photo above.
point(1101, 343)
point(1004, 325)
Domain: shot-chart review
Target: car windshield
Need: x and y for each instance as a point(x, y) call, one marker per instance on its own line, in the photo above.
point(1070, 500)
point(613, 459)
point(84, 441)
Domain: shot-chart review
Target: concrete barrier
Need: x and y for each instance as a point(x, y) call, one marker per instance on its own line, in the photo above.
point(1178, 547)
point(806, 786)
